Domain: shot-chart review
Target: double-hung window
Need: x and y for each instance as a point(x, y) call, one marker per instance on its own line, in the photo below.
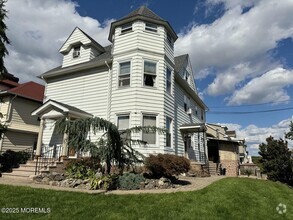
point(126, 28)
point(186, 103)
point(150, 135)
point(168, 132)
point(151, 27)
point(149, 77)
point(170, 41)
point(123, 124)
point(76, 52)
point(124, 74)
point(168, 80)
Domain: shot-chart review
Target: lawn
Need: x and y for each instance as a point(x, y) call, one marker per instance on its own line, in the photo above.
point(229, 198)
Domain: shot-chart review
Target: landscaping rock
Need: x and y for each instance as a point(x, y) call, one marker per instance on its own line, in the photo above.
point(164, 183)
point(45, 180)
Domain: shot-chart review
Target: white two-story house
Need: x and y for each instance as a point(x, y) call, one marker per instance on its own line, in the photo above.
point(135, 81)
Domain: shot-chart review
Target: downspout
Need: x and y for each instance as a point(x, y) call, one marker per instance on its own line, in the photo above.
point(109, 91)
point(8, 118)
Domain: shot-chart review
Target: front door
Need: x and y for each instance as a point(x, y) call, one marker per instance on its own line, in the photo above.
point(187, 146)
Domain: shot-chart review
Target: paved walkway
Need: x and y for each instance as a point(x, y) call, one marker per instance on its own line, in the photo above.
point(196, 183)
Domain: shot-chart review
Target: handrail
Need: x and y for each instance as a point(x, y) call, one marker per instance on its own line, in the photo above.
point(48, 158)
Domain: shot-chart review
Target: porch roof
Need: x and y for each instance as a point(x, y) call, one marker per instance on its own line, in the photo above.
point(193, 127)
point(60, 109)
point(240, 142)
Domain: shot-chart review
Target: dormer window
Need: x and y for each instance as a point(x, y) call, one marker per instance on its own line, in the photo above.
point(126, 28)
point(76, 52)
point(186, 75)
point(151, 27)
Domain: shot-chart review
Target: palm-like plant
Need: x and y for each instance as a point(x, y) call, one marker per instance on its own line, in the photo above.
point(3, 38)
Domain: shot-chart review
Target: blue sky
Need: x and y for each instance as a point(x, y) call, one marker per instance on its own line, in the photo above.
point(241, 51)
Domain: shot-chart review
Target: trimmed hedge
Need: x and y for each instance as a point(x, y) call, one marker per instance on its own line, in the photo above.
point(167, 165)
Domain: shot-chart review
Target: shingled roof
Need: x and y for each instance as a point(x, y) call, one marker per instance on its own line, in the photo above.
point(142, 13)
point(145, 12)
point(179, 62)
point(29, 90)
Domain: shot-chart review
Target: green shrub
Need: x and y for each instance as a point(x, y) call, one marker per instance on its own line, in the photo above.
point(167, 165)
point(107, 182)
point(248, 172)
point(83, 168)
point(11, 159)
point(130, 181)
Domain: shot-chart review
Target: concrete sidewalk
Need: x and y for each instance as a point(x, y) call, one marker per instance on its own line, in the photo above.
point(196, 183)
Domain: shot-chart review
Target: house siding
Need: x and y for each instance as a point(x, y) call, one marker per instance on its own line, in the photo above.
point(18, 141)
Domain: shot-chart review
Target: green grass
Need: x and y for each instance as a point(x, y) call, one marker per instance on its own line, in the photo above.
point(229, 198)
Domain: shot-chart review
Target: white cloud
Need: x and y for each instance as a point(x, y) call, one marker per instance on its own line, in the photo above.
point(274, 81)
point(237, 44)
point(37, 30)
point(255, 135)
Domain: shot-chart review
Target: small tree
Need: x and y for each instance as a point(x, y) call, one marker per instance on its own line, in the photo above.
point(3, 38)
point(113, 147)
point(276, 160)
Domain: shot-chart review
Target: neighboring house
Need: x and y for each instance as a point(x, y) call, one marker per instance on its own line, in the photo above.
point(17, 103)
point(135, 81)
point(224, 149)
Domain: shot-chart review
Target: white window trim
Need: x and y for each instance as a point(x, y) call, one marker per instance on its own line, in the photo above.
point(171, 88)
point(157, 67)
point(127, 29)
point(171, 132)
point(151, 29)
point(157, 122)
point(118, 73)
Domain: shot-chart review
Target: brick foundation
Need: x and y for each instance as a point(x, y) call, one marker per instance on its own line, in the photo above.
point(231, 167)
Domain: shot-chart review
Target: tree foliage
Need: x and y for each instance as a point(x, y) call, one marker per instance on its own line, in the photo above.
point(277, 160)
point(3, 38)
point(289, 134)
point(113, 147)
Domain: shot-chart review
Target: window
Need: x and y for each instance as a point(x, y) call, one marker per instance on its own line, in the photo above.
point(123, 124)
point(76, 52)
point(151, 27)
point(170, 41)
point(150, 136)
point(186, 103)
point(186, 75)
point(168, 80)
point(168, 132)
point(196, 111)
point(149, 78)
point(126, 28)
point(124, 74)
point(202, 114)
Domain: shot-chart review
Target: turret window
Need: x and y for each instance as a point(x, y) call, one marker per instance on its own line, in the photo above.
point(124, 74)
point(76, 52)
point(170, 41)
point(151, 27)
point(126, 28)
point(149, 78)
point(168, 80)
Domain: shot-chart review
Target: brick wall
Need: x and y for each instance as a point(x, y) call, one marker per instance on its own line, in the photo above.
point(231, 167)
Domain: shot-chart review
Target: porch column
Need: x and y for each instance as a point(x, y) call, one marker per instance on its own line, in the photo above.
point(40, 138)
point(65, 145)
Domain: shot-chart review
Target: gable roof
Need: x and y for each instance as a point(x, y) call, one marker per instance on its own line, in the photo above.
point(68, 109)
point(97, 61)
point(179, 62)
point(29, 90)
point(91, 40)
point(9, 82)
point(142, 13)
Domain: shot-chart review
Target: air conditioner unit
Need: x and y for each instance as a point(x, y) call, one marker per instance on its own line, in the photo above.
point(189, 111)
point(75, 54)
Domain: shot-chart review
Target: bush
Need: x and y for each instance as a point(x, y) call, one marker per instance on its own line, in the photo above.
point(248, 172)
point(11, 159)
point(167, 165)
point(108, 182)
point(83, 168)
point(130, 181)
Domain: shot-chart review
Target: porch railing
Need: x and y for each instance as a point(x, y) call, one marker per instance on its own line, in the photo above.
point(49, 156)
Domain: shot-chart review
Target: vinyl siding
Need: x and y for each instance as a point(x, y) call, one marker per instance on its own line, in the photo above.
point(84, 90)
point(17, 141)
point(22, 119)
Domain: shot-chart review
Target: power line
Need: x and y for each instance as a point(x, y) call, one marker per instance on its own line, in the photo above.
point(250, 112)
point(251, 105)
